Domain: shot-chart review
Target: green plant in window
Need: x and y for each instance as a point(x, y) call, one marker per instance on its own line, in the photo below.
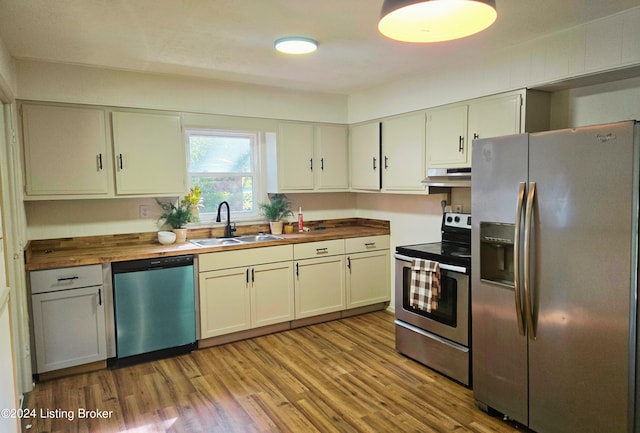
point(177, 215)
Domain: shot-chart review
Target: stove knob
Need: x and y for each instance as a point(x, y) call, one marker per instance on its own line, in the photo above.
point(457, 218)
point(449, 219)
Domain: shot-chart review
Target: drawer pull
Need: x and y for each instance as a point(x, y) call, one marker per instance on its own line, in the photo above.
point(370, 245)
point(322, 250)
point(67, 279)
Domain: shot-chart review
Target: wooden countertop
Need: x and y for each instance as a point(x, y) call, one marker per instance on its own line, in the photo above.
point(60, 253)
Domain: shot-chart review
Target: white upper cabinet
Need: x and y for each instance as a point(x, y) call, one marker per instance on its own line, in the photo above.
point(65, 150)
point(494, 117)
point(447, 137)
point(403, 153)
point(149, 152)
point(451, 129)
point(68, 152)
point(308, 157)
point(364, 156)
point(331, 158)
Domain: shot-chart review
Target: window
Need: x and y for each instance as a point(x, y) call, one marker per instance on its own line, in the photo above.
point(224, 164)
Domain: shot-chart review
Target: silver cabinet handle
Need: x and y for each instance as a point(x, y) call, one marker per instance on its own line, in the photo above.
point(311, 164)
point(374, 163)
point(516, 258)
point(386, 162)
point(322, 164)
point(527, 259)
point(322, 250)
point(370, 245)
point(461, 144)
point(99, 162)
point(120, 161)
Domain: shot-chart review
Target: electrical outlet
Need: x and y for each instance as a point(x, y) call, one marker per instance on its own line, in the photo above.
point(458, 208)
point(144, 211)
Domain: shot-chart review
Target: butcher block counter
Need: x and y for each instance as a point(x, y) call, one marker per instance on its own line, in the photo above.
point(59, 253)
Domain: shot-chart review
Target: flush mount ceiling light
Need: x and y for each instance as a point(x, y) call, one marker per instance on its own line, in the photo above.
point(435, 20)
point(295, 45)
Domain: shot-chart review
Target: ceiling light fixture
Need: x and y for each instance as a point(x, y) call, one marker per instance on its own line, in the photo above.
point(295, 45)
point(435, 20)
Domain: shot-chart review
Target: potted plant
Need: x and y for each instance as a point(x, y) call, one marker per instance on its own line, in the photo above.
point(177, 215)
point(274, 211)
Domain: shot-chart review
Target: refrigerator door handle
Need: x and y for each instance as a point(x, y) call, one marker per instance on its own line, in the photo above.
point(527, 261)
point(516, 258)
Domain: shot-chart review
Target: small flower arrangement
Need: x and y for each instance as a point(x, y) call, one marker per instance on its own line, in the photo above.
point(179, 214)
point(194, 198)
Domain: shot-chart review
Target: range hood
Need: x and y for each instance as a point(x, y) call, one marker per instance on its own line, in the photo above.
point(451, 177)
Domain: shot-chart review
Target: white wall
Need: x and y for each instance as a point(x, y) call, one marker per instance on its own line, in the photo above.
point(609, 102)
point(100, 86)
point(8, 83)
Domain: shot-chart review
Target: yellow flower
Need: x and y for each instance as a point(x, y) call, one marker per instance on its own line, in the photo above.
point(194, 197)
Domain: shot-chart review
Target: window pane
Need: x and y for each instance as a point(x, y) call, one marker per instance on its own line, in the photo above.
point(215, 154)
point(237, 190)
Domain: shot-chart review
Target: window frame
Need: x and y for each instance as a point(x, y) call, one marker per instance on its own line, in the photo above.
point(257, 169)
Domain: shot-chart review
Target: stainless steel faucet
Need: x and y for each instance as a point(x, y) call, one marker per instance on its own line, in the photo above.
point(228, 230)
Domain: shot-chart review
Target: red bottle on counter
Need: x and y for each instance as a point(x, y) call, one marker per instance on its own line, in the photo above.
point(300, 221)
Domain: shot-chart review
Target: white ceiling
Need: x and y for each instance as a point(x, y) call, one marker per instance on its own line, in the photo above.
point(233, 39)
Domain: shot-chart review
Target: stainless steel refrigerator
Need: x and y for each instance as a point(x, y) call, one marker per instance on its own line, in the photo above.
point(554, 277)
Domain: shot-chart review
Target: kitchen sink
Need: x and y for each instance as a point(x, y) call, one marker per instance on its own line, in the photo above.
point(246, 239)
point(215, 242)
point(259, 238)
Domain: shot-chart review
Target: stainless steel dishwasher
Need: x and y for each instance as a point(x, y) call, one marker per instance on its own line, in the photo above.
point(154, 305)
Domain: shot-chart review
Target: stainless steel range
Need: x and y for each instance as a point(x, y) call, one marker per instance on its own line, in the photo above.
point(439, 338)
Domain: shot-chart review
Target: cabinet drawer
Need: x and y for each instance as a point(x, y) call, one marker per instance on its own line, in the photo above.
point(366, 243)
point(246, 257)
point(65, 278)
point(318, 249)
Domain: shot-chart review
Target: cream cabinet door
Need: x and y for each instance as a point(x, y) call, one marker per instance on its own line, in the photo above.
point(272, 299)
point(150, 154)
point(331, 166)
point(57, 316)
point(494, 117)
point(295, 156)
point(447, 137)
point(224, 301)
point(65, 150)
point(368, 278)
point(364, 156)
point(404, 153)
point(319, 286)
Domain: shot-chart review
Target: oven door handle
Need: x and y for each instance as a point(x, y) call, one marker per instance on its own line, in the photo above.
point(444, 266)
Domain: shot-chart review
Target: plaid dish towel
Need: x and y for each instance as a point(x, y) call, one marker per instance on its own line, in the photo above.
point(425, 285)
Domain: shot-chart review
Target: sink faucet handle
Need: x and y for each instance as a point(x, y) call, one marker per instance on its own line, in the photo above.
point(233, 227)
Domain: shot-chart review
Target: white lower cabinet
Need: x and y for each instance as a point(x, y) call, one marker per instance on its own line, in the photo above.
point(68, 317)
point(272, 293)
point(319, 278)
point(367, 277)
point(251, 288)
point(245, 289)
point(224, 302)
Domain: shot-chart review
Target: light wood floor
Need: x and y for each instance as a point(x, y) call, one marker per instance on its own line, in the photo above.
point(340, 376)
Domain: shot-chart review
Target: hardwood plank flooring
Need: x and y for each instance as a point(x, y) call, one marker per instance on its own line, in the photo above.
point(340, 376)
